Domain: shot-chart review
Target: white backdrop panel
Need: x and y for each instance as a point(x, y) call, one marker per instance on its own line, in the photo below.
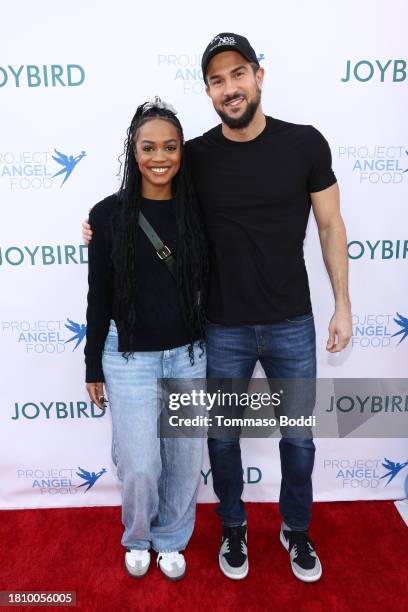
point(127, 52)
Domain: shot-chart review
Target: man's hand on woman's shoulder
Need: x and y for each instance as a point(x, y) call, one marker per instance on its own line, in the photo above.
point(86, 230)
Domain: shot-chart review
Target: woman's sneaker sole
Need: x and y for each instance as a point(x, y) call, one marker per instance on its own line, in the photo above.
point(173, 579)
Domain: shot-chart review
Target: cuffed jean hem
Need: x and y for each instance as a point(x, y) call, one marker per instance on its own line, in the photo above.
point(139, 547)
point(156, 550)
point(296, 527)
point(168, 550)
point(234, 524)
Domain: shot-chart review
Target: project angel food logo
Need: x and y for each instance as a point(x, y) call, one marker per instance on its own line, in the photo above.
point(38, 169)
point(46, 337)
point(60, 481)
point(185, 69)
point(379, 330)
point(365, 473)
point(385, 164)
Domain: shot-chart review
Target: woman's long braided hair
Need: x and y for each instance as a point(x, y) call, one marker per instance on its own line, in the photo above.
point(192, 262)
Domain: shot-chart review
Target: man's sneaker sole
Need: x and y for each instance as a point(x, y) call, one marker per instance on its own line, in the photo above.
point(230, 574)
point(301, 577)
point(137, 576)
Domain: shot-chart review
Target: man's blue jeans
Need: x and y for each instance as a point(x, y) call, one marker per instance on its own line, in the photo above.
point(286, 349)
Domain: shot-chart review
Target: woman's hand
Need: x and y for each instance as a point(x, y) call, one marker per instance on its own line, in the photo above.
point(95, 392)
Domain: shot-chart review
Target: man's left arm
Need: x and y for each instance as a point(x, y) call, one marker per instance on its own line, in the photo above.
point(333, 240)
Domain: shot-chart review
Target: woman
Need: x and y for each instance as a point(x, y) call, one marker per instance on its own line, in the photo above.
point(144, 322)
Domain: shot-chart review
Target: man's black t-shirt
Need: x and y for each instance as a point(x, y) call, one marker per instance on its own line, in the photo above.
point(255, 196)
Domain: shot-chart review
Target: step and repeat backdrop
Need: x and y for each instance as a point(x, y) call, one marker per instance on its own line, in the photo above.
point(70, 81)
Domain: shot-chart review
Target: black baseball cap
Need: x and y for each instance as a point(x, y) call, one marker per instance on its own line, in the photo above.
point(227, 41)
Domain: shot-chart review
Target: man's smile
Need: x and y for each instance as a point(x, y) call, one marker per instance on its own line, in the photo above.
point(235, 102)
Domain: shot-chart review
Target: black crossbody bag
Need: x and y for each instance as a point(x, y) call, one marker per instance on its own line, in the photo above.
point(163, 251)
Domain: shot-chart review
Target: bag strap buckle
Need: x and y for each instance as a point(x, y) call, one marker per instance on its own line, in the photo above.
point(164, 253)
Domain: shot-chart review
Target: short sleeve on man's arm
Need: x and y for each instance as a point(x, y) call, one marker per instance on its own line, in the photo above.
point(321, 174)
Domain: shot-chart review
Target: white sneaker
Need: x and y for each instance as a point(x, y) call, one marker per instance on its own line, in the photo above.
point(137, 562)
point(172, 564)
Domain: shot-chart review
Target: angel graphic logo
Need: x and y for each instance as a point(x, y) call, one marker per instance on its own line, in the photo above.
point(403, 323)
point(393, 469)
point(68, 163)
point(79, 331)
point(89, 477)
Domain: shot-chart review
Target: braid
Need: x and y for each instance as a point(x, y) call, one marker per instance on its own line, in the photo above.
point(192, 264)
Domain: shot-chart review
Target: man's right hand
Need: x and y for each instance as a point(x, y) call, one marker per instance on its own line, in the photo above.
point(86, 231)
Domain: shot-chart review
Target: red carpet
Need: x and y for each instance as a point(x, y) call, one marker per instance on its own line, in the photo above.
point(362, 546)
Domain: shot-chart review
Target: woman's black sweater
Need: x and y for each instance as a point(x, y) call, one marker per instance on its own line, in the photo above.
point(159, 322)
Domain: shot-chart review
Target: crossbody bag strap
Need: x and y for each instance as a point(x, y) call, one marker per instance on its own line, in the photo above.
point(163, 251)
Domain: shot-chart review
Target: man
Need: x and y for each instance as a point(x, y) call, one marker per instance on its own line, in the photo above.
point(256, 178)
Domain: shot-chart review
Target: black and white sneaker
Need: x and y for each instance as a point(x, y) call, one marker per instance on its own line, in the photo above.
point(303, 558)
point(233, 555)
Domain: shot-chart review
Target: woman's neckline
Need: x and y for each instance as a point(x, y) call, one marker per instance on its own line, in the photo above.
point(157, 201)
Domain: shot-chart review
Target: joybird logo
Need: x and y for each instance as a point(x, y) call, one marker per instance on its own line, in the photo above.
point(379, 71)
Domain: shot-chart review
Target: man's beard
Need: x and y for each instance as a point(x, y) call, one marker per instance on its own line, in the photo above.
point(238, 123)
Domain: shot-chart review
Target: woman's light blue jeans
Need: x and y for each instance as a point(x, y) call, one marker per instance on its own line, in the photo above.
point(159, 476)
